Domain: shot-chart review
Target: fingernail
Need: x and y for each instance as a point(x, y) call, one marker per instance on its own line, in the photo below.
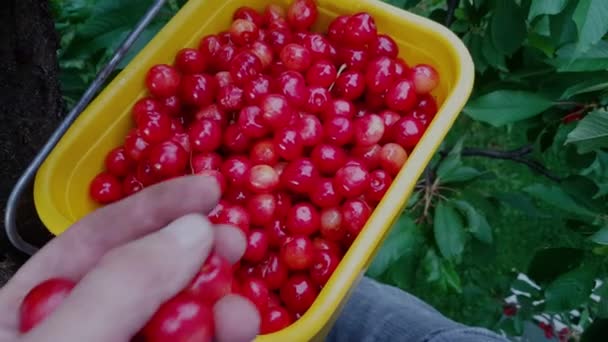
point(192, 230)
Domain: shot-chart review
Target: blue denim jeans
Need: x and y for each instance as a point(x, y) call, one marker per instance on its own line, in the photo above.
point(378, 312)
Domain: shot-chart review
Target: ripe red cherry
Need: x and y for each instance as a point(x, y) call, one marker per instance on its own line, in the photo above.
point(173, 105)
point(42, 300)
point(369, 156)
point(324, 265)
point(324, 194)
point(288, 143)
point(310, 129)
point(213, 280)
point(303, 219)
point(283, 204)
point(205, 135)
point(401, 68)
point(224, 56)
point(355, 213)
point(392, 158)
point(212, 112)
point(278, 38)
point(339, 107)
point(257, 292)
point(379, 182)
point(331, 224)
point(296, 57)
point(190, 61)
point(322, 73)
point(257, 246)
point(368, 130)
point(245, 66)
point(352, 180)
point(408, 131)
point(105, 188)
point(360, 29)
point(243, 32)
point(328, 158)
point(427, 104)
point(154, 127)
point(256, 88)
point(293, 86)
point(168, 159)
point(383, 45)
point(264, 152)
point(273, 271)
point(425, 78)
point(198, 89)
point(224, 78)
point(131, 185)
point(275, 110)
point(302, 14)
point(322, 244)
point(299, 175)
point(236, 170)
point(146, 105)
point(335, 31)
point(179, 319)
point(264, 52)
point(354, 59)
point(251, 122)
point(277, 233)
point(118, 163)
point(298, 253)
point(389, 118)
point(261, 208)
point(273, 12)
point(162, 80)
point(250, 14)
point(145, 173)
point(338, 130)
point(209, 46)
point(235, 215)
point(319, 46)
point(298, 293)
point(237, 195)
point(380, 74)
point(205, 161)
point(350, 85)
point(230, 98)
point(235, 140)
point(215, 213)
point(318, 99)
point(401, 96)
point(275, 319)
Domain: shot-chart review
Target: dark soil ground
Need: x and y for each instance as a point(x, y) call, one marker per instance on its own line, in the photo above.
point(30, 108)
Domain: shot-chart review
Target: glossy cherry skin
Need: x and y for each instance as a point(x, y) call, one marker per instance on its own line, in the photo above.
point(205, 135)
point(118, 163)
point(303, 219)
point(408, 131)
point(298, 293)
point(105, 188)
point(168, 159)
point(302, 14)
point(180, 319)
point(324, 265)
point(257, 246)
point(213, 280)
point(355, 213)
point(383, 45)
point(379, 182)
point(401, 96)
point(277, 233)
point(331, 224)
point(392, 158)
point(257, 292)
point(163, 80)
point(298, 252)
point(237, 216)
point(273, 271)
point(198, 89)
point(42, 300)
point(323, 193)
point(299, 175)
point(190, 61)
point(351, 181)
point(275, 319)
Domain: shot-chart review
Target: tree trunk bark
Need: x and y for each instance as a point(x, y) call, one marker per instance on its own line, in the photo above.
point(30, 107)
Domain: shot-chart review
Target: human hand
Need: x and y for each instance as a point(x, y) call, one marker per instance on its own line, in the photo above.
point(128, 258)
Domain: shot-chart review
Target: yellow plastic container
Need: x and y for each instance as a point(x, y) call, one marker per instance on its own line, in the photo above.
point(61, 187)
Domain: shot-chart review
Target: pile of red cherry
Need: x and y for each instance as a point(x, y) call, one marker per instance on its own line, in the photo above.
point(304, 132)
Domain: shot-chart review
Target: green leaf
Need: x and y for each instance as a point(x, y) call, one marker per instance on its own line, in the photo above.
point(502, 107)
point(494, 57)
point(477, 223)
point(113, 14)
point(591, 133)
point(403, 3)
point(581, 189)
point(452, 161)
point(590, 18)
point(404, 239)
point(569, 290)
point(602, 306)
point(547, 264)
point(563, 28)
point(451, 276)
point(588, 86)
point(508, 26)
point(601, 236)
point(558, 198)
point(549, 7)
point(449, 231)
point(520, 202)
point(594, 59)
point(441, 272)
point(461, 174)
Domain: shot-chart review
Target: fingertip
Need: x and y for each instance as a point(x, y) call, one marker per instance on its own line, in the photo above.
point(230, 242)
point(236, 319)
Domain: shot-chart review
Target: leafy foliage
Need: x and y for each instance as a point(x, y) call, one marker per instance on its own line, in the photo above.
point(487, 209)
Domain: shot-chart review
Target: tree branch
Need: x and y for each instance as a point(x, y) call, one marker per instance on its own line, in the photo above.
point(452, 6)
point(518, 155)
